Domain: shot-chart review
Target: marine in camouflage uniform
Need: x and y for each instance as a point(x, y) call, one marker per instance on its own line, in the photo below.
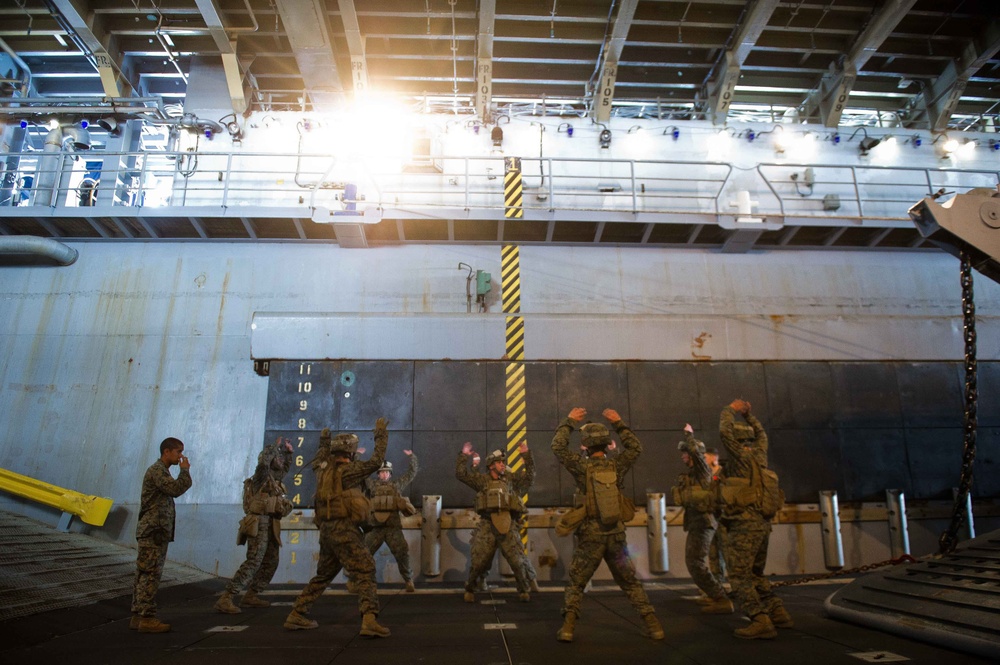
point(498, 502)
point(388, 527)
point(155, 532)
point(341, 542)
point(747, 531)
point(597, 541)
point(716, 561)
point(265, 504)
point(692, 491)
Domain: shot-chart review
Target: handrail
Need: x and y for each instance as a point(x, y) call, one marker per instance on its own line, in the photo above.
point(91, 509)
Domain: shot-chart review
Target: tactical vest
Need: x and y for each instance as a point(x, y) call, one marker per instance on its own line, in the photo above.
point(604, 500)
point(499, 502)
point(691, 496)
point(385, 501)
point(759, 491)
point(334, 502)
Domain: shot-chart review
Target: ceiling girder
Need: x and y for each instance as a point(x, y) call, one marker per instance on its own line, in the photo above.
point(609, 60)
point(938, 101)
point(484, 61)
point(830, 98)
point(355, 44)
point(227, 48)
point(99, 43)
point(305, 23)
point(721, 90)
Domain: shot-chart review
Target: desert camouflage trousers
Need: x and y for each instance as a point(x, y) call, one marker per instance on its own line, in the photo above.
point(700, 536)
point(716, 552)
point(341, 546)
point(256, 571)
point(393, 537)
point(746, 556)
point(485, 541)
point(591, 549)
point(148, 571)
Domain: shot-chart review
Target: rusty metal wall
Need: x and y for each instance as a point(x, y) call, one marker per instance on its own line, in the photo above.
point(101, 360)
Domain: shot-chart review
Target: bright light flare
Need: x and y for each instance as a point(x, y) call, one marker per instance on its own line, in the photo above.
point(376, 132)
point(720, 145)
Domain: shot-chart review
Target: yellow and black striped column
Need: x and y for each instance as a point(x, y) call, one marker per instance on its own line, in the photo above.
point(512, 189)
point(517, 419)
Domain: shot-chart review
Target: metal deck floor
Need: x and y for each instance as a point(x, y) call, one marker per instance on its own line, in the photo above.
point(435, 626)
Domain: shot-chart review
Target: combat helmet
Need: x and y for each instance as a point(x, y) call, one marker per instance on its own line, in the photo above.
point(386, 466)
point(699, 446)
point(341, 443)
point(595, 436)
point(495, 456)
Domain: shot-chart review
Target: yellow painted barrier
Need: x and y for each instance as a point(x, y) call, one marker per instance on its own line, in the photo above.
point(91, 509)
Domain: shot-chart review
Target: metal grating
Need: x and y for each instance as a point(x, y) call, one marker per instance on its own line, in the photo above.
point(42, 569)
point(951, 600)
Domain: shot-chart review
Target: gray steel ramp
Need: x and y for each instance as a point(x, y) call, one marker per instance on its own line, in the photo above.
point(42, 569)
point(951, 600)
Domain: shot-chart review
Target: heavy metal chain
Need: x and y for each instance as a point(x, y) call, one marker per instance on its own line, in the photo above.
point(949, 538)
point(905, 558)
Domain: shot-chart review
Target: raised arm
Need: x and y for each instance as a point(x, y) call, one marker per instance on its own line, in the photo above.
point(760, 444)
point(526, 477)
point(358, 470)
point(411, 472)
point(560, 442)
point(462, 472)
point(170, 486)
point(701, 471)
point(631, 448)
point(727, 420)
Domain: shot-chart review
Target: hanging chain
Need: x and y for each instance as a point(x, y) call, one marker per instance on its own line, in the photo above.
point(905, 558)
point(949, 538)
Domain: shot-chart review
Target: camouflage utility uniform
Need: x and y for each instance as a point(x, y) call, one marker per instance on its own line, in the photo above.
point(154, 532)
point(341, 543)
point(498, 520)
point(596, 542)
point(268, 504)
point(747, 531)
point(388, 528)
point(699, 518)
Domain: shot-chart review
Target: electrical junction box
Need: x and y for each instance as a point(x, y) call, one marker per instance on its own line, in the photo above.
point(831, 202)
point(483, 282)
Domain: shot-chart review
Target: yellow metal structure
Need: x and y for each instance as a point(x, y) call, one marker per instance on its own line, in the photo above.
point(91, 509)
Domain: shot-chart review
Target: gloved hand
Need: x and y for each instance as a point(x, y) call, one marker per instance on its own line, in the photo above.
point(381, 426)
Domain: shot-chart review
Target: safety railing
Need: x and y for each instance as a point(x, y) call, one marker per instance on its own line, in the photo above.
point(91, 509)
point(248, 183)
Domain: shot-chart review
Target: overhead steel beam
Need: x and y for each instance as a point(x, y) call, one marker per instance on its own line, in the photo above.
point(355, 45)
point(305, 24)
point(100, 44)
point(609, 60)
point(723, 85)
point(937, 102)
point(830, 98)
point(199, 227)
point(484, 60)
point(97, 227)
point(248, 225)
point(227, 49)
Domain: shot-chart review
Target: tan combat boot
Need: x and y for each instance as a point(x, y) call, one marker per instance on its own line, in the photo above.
point(720, 605)
point(225, 604)
point(133, 623)
point(760, 628)
point(152, 625)
point(469, 597)
point(296, 621)
point(524, 597)
point(565, 633)
point(371, 628)
point(409, 586)
point(534, 586)
point(251, 599)
point(781, 618)
point(653, 627)
point(703, 600)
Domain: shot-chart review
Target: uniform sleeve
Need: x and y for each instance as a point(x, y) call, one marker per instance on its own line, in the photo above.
point(358, 470)
point(473, 480)
point(526, 478)
point(410, 474)
point(701, 472)
point(166, 483)
point(560, 447)
point(631, 449)
point(738, 465)
point(761, 443)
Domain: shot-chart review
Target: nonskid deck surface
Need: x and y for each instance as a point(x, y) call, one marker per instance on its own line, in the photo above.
point(434, 625)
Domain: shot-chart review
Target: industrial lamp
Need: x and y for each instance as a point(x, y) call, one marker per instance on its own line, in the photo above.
point(605, 138)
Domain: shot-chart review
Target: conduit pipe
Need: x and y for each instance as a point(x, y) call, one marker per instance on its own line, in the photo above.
point(25, 70)
point(59, 253)
point(50, 167)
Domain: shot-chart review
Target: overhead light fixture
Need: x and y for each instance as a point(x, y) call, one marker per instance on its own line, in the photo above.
point(673, 131)
point(867, 143)
point(59, 38)
point(750, 135)
point(605, 138)
point(110, 125)
point(994, 145)
point(496, 136)
point(566, 127)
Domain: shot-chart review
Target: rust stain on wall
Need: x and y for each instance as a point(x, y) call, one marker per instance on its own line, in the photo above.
point(697, 344)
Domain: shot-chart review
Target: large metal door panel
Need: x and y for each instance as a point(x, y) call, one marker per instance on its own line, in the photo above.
point(806, 462)
point(658, 466)
point(721, 383)
point(545, 490)
point(595, 387)
point(302, 395)
point(438, 451)
point(935, 457)
point(866, 395)
point(375, 389)
point(930, 394)
point(449, 396)
point(873, 460)
point(541, 410)
point(800, 395)
point(663, 396)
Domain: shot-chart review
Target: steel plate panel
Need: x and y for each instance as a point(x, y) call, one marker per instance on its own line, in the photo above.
point(800, 395)
point(866, 395)
point(449, 396)
point(664, 396)
point(930, 394)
